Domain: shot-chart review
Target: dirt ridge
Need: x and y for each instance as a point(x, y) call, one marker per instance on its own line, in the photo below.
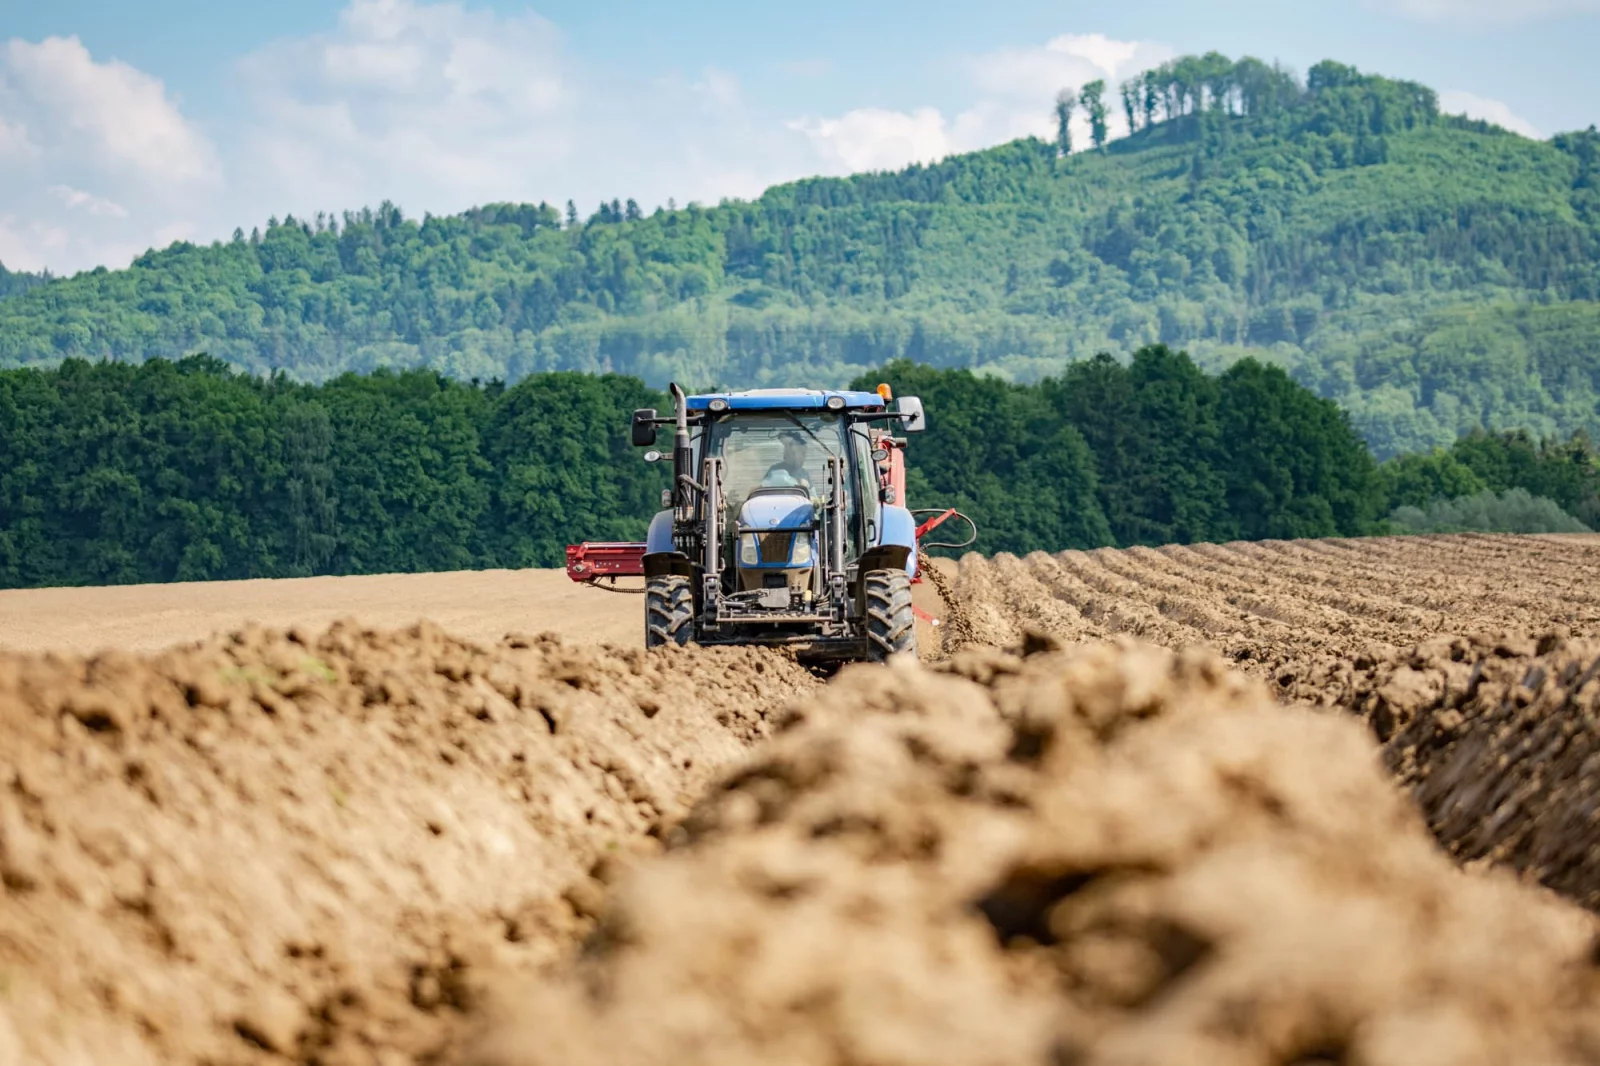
point(308, 847)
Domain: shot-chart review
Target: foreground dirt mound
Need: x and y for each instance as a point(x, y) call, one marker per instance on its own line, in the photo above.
point(1108, 855)
point(1498, 738)
point(280, 845)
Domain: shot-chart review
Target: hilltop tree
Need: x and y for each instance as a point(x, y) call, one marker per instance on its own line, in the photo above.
point(1066, 103)
point(1132, 92)
point(1215, 73)
point(1094, 104)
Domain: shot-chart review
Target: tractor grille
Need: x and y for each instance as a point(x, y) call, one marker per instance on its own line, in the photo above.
point(775, 547)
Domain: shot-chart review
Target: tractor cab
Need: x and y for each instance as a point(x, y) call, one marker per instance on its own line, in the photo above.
point(774, 476)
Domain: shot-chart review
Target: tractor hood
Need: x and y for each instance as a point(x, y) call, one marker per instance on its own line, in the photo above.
point(776, 511)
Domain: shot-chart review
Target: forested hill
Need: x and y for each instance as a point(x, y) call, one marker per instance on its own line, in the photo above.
point(1429, 273)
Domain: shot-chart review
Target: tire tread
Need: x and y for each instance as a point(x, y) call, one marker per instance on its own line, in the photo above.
point(891, 622)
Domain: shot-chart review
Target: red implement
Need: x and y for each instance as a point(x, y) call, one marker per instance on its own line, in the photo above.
point(933, 523)
point(589, 562)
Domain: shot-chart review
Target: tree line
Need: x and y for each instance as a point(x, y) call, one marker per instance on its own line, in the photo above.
point(1157, 451)
point(1334, 97)
point(189, 470)
point(163, 471)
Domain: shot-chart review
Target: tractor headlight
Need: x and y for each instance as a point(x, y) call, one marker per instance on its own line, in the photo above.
point(748, 556)
point(835, 403)
point(718, 405)
point(802, 550)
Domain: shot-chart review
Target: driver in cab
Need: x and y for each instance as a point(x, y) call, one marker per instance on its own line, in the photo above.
point(791, 469)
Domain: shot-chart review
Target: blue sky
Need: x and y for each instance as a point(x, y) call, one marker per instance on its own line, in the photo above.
point(127, 125)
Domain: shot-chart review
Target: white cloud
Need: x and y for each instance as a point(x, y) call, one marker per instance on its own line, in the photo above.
point(15, 143)
point(439, 107)
point(95, 205)
point(425, 104)
point(719, 87)
point(1015, 89)
point(872, 138)
point(28, 245)
point(1065, 62)
point(1458, 102)
point(1494, 10)
point(111, 112)
point(71, 122)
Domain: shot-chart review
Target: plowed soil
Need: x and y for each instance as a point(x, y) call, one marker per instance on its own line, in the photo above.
point(1274, 602)
point(370, 841)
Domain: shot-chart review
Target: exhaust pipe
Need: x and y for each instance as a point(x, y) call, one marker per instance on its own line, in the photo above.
point(682, 456)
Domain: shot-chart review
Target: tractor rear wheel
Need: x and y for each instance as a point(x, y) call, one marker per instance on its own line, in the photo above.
point(668, 611)
point(891, 625)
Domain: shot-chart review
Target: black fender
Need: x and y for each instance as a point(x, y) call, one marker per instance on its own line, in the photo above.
point(663, 564)
point(882, 557)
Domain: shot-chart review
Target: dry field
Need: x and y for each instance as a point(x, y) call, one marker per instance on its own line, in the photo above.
point(1283, 803)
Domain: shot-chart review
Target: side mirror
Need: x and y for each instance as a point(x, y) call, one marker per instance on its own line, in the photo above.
point(911, 415)
point(652, 456)
point(644, 427)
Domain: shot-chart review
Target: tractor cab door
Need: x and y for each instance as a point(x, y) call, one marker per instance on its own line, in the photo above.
point(867, 485)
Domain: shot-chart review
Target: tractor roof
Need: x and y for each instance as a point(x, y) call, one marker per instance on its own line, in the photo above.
point(784, 399)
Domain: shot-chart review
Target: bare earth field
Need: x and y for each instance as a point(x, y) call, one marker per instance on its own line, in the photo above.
point(474, 604)
point(1280, 803)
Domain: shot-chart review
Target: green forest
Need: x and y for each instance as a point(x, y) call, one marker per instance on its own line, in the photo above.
point(14, 282)
point(190, 470)
point(1429, 274)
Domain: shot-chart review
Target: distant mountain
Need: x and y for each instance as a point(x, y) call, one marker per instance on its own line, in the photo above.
point(1430, 273)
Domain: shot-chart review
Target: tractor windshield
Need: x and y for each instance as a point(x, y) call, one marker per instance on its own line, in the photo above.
point(777, 448)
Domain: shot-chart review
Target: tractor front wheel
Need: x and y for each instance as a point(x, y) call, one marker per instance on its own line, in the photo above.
point(891, 626)
point(668, 611)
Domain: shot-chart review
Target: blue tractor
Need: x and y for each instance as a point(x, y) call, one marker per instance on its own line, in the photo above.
point(784, 524)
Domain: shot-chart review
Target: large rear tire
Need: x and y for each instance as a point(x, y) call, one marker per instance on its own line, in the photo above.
point(668, 611)
point(891, 625)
